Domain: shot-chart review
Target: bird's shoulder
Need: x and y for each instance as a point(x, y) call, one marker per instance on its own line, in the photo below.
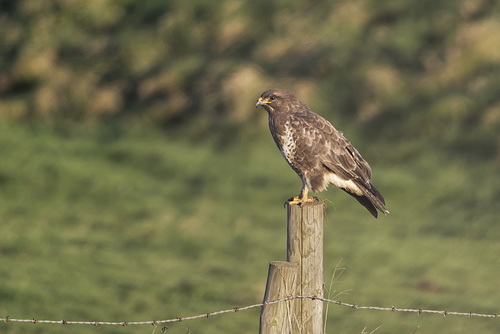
point(310, 123)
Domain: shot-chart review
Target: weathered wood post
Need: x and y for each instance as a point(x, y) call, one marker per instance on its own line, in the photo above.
point(305, 253)
point(281, 283)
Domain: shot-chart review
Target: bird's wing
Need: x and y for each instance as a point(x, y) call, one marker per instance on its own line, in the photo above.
point(332, 149)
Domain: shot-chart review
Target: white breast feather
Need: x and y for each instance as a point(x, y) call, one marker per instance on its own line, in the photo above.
point(288, 150)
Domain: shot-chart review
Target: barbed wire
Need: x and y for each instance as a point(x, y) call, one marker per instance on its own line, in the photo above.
point(237, 309)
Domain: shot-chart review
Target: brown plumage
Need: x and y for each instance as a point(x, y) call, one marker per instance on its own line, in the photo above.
point(318, 152)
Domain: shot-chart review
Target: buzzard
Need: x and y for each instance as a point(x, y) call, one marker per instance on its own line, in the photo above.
point(318, 152)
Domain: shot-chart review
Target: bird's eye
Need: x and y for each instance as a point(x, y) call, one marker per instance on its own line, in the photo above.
point(272, 98)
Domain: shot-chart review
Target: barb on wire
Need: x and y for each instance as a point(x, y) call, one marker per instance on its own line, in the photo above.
point(236, 309)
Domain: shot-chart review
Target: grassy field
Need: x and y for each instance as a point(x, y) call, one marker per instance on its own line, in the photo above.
point(111, 224)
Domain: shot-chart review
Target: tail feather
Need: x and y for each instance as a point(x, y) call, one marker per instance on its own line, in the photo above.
point(363, 200)
point(376, 198)
point(371, 200)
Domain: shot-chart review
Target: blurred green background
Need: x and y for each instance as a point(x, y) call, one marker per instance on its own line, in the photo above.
point(138, 181)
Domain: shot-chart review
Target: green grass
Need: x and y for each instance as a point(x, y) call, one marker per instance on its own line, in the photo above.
point(132, 225)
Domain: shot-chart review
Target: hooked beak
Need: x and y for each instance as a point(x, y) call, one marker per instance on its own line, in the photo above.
point(260, 102)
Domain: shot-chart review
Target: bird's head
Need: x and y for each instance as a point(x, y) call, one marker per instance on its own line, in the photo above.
point(276, 100)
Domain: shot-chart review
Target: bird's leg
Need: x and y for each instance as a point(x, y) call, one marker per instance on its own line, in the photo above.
point(303, 193)
point(302, 198)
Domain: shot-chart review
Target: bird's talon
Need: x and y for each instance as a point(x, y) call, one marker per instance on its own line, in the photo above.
point(300, 201)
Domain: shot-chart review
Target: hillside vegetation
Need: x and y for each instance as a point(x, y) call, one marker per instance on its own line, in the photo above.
point(138, 181)
point(398, 70)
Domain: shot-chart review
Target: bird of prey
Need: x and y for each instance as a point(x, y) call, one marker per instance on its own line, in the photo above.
point(317, 152)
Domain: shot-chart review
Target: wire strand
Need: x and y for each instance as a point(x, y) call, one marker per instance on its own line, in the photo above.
point(237, 309)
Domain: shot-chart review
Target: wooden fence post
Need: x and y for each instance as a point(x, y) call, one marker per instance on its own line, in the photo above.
point(305, 248)
point(281, 282)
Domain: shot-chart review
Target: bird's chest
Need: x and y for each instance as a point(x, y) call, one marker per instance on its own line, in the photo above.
point(285, 140)
point(288, 147)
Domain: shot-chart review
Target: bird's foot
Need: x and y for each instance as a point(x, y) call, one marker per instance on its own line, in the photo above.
point(297, 200)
